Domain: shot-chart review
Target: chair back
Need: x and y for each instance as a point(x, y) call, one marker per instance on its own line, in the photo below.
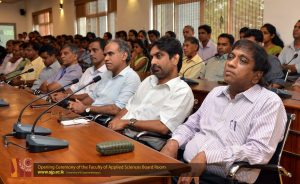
point(269, 177)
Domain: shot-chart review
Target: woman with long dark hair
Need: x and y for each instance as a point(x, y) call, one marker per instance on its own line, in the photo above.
point(140, 61)
point(272, 43)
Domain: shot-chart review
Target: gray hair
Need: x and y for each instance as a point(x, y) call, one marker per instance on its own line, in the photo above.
point(74, 49)
point(123, 47)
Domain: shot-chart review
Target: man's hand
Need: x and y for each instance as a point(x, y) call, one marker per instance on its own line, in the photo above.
point(56, 97)
point(77, 107)
point(171, 148)
point(198, 164)
point(290, 68)
point(118, 124)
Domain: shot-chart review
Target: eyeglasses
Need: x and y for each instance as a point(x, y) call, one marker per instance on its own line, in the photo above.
point(6, 142)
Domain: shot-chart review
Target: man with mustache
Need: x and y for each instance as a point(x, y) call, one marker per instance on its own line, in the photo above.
point(240, 122)
point(162, 101)
point(116, 86)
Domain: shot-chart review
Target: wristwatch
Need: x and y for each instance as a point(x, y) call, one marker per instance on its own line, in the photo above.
point(132, 121)
point(88, 110)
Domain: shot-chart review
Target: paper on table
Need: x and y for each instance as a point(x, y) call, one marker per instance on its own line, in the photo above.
point(75, 122)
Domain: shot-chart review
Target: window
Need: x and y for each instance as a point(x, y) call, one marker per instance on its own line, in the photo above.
point(96, 16)
point(42, 22)
point(224, 16)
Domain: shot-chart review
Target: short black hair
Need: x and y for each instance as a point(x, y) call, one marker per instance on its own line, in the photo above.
point(171, 33)
point(49, 49)
point(193, 40)
point(257, 34)
point(35, 46)
point(171, 46)
point(206, 27)
point(155, 32)
point(100, 41)
point(133, 31)
point(244, 29)
point(258, 54)
point(109, 35)
point(228, 36)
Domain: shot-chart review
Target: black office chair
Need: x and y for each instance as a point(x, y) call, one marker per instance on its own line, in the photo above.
point(151, 134)
point(102, 119)
point(271, 172)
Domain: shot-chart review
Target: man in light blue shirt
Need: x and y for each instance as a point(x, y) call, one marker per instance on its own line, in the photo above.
point(117, 85)
point(69, 71)
point(48, 54)
point(207, 48)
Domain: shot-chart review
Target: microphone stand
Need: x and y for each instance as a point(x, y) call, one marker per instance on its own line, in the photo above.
point(21, 130)
point(191, 81)
point(39, 143)
point(28, 71)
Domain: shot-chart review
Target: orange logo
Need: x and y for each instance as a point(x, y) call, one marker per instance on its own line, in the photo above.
point(21, 167)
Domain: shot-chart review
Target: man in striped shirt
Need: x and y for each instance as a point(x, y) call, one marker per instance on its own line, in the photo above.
point(240, 122)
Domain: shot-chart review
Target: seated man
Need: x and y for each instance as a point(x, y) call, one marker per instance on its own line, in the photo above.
point(274, 77)
point(36, 62)
point(190, 49)
point(162, 101)
point(96, 50)
point(48, 54)
point(214, 69)
point(69, 71)
point(117, 85)
point(286, 57)
point(207, 47)
point(240, 122)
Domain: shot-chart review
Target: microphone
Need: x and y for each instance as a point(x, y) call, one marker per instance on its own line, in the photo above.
point(21, 69)
point(294, 57)
point(21, 130)
point(28, 71)
point(39, 143)
point(190, 81)
point(288, 71)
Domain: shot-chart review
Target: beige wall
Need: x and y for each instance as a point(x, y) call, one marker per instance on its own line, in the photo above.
point(133, 14)
point(283, 15)
point(10, 13)
point(63, 21)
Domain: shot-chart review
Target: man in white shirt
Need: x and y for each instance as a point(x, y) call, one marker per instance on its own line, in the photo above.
point(96, 51)
point(162, 101)
point(207, 47)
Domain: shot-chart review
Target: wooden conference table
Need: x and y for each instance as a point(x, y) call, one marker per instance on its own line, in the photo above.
point(291, 156)
point(82, 145)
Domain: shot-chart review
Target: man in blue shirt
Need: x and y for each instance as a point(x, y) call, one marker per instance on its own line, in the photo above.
point(117, 85)
point(69, 71)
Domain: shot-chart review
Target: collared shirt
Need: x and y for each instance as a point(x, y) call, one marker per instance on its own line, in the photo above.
point(38, 65)
point(246, 128)
point(116, 90)
point(86, 77)
point(65, 75)
point(17, 71)
point(214, 69)
point(275, 74)
point(287, 54)
point(170, 103)
point(208, 51)
point(189, 70)
point(4, 63)
point(9, 66)
point(45, 74)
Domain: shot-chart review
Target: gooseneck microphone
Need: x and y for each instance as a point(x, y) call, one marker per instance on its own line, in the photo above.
point(19, 70)
point(288, 71)
point(39, 143)
point(28, 71)
point(190, 81)
point(21, 130)
point(294, 57)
